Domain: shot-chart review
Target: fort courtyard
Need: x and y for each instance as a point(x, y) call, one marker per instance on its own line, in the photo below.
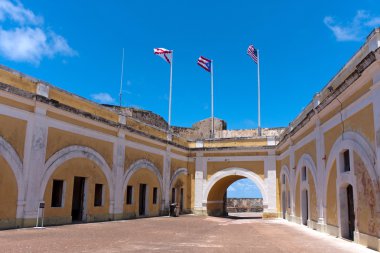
point(187, 233)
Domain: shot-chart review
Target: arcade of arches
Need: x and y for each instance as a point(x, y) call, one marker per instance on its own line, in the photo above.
point(88, 162)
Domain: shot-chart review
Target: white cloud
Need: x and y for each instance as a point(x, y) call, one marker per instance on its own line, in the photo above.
point(15, 11)
point(103, 98)
point(354, 30)
point(231, 189)
point(26, 40)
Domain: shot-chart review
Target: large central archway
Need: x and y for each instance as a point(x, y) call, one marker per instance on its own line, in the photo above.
point(216, 187)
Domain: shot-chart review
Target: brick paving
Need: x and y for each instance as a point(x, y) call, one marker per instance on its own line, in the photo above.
point(182, 234)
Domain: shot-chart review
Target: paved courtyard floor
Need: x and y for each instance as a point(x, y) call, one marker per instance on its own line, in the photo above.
point(182, 234)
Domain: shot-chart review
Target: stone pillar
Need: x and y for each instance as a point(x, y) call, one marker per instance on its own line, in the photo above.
point(270, 182)
point(199, 207)
point(293, 182)
point(166, 181)
point(321, 164)
point(34, 162)
point(117, 204)
point(375, 95)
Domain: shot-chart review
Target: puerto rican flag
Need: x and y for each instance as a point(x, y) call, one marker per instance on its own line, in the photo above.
point(205, 63)
point(164, 53)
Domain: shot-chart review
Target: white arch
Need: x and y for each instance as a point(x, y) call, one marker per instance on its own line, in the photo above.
point(13, 160)
point(142, 164)
point(353, 141)
point(72, 152)
point(307, 161)
point(176, 174)
point(285, 171)
point(236, 172)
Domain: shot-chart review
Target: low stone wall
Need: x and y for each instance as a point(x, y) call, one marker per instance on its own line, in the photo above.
point(237, 205)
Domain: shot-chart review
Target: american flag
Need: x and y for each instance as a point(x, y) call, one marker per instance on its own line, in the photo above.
point(164, 53)
point(205, 63)
point(252, 52)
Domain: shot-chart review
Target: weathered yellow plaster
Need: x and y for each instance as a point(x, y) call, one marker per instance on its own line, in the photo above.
point(13, 131)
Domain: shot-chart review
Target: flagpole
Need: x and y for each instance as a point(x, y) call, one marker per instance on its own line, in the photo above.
point(258, 93)
point(121, 79)
point(170, 92)
point(212, 100)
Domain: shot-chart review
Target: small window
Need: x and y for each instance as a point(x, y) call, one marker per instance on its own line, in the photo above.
point(173, 195)
point(98, 201)
point(155, 195)
point(283, 179)
point(346, 161)
point(304, 174)
point(57, 194)
point(129, 194)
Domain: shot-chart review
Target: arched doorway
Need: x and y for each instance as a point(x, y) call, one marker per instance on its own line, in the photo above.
point(243, 199)
point(216, 188)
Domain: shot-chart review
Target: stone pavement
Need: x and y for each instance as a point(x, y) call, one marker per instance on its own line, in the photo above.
point(182, 234)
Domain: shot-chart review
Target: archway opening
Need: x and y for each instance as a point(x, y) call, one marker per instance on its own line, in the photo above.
point(347, 212)
point(244, 199)
point(235, 196)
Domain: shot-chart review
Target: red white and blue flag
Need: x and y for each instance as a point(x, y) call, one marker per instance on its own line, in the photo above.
point(164, 53)
point(252, 52)
point(205, 63)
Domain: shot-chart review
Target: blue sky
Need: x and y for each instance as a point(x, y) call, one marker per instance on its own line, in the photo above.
point(76, 45)
point(243, 188)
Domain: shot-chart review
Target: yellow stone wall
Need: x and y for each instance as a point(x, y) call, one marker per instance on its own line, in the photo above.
point(77, 167)
point(59, 139)
point(13, 131)
point(132, 155)
point(143, 176)
point(331, 198)
point(8, 195)
point(361, 122)
point(256, 167)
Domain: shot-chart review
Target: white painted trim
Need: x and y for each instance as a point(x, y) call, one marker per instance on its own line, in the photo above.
point(142, 164)
point(237, 158)
point(72, 152)
point(176, 174)
point(352, 141)
point(14, 162)
point(236, 172)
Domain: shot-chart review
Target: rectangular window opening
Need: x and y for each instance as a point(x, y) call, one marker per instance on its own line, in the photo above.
point(155, 195)
point(129, 194)
point(283, 179)
point(57, 194)
point(346, 161)
point(98, 201)
point(304, 174)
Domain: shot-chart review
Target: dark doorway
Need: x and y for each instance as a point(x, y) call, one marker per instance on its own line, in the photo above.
point(351, 212)
point(283, 205)
point(142, 198)
point(181, 201)
point(78, 199)
point(305, 207)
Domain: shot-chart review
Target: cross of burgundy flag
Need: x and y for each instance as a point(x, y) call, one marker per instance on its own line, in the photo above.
point(165, 54)
point(205, 63)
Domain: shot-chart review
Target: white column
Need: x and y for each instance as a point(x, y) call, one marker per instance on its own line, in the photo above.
point(199, 206)
point(321, 160)
point(293, 181)
point(375, 97)
point(166, 180)
point(270, 182)
point(34, 159)
point(117, 203)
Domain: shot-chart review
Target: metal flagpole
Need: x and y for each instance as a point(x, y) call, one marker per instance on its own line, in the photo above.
point(258, 93)
point(121, 79)
point(170, 91)
point(212, 100)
